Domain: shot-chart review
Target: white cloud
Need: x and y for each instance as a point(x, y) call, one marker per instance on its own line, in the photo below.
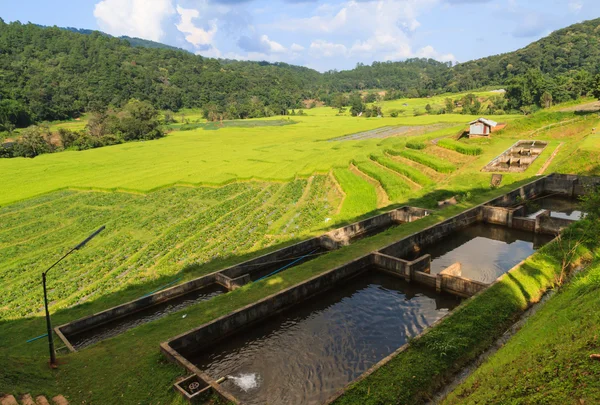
point(575, 6)
point(327, 49)
point(273, 46)
point(296, 48)
point(135, 18)
point(195, 35)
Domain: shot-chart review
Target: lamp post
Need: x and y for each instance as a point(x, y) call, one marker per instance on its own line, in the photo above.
point(48, 322)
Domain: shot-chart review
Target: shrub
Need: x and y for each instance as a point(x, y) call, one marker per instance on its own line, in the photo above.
point(414, 144)
point(460, 147)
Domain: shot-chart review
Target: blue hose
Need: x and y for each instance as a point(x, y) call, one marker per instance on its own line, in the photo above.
point(287, 265)
point(162, 287)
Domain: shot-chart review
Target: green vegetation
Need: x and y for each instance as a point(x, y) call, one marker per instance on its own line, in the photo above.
point(361, 197)
point(548, 360)
point(52, 73)
point(415, 144)
point(428, 160)
point(410, 172)
point(414, 374)
point(147, 237)
point(460, 147)
point(394, 186)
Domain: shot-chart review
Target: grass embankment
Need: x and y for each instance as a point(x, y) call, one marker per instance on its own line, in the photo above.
point(129, 368)
point(363, 197)
point(548, 360)
point(435, 163)
point(410, 172)
point(417, 372)
point(460, 147)
point(394, 186)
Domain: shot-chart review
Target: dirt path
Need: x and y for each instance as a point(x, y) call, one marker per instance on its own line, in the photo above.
point(383, 200)
point(550, 159)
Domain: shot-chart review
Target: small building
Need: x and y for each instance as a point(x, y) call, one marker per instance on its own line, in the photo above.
point(482, 127)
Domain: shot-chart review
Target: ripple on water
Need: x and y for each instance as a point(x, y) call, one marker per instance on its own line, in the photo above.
point(305, 354)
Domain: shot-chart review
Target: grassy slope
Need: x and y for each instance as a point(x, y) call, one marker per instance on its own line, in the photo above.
point(266, 153)
point(547, 361)
point(100, 373)
point(147, 376)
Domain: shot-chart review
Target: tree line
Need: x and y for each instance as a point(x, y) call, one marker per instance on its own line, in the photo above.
point(48, 73)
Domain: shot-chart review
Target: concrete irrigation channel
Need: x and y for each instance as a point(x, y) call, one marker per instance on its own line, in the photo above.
point(83, 332)
point(305, 344)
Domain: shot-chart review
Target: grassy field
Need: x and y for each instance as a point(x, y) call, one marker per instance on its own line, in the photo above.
point(548, 360)
point(269, 186)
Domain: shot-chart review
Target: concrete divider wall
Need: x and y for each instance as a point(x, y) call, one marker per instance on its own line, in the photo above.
point(392, 265)
point(343, 236)
point(139, 304)
point(526, 224)
point(463, 287)
point(551, 225)
point(497, 215)
point(524, 192)
point(434, 233)
point(203, 336)
point(426, 279)
point(295, 250)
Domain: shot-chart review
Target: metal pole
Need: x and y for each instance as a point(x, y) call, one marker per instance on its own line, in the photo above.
point(48, 321)
point(49, 325)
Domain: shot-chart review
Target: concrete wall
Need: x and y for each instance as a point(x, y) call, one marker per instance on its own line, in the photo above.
point(344, 236)
point(498, 215)
point(133, 306)
point(203, 336)
point(432, 234)
point(296, 250)
point(450, 280)
point(552, 226)
point(526, 224)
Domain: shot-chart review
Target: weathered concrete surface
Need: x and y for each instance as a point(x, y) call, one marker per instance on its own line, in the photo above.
point(552, 226)
point(345, 235)
point(450, 280)
point(393, 265)
point(526, 224)
point(131, 307)
point(8, 400)
point(432, 234)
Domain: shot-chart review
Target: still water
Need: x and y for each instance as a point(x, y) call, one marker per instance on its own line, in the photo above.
point(308, 352)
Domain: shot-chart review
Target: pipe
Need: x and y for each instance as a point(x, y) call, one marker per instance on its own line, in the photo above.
point(37, 337)
point(220, 380)
point(287, 265)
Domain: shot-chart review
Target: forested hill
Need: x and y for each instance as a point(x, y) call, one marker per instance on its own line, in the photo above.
point(49, 73)
point(145, 43)
point(561, 53)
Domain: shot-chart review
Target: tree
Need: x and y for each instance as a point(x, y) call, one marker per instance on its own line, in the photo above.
point(356, 105)
point(449, 105)
point(428, 108)
point(546, 100)
point(32, 142)
point(596, 87)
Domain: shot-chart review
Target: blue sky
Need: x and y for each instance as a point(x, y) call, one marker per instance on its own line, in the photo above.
point(321, 34)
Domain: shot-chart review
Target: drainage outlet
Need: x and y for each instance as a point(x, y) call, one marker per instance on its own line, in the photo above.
point(194, 389)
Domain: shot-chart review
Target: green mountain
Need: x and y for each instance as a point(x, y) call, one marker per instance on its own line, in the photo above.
point(49, 73)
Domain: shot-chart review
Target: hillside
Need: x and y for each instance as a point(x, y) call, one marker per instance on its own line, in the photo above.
point(49, 73)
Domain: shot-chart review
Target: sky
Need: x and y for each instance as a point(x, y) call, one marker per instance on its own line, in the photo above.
point(320, 34)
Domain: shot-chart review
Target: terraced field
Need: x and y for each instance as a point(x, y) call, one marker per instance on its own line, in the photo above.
point(146, 236)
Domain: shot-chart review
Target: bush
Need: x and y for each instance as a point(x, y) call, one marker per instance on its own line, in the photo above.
point(431, 161)
point(460, 147)
point(414, 144)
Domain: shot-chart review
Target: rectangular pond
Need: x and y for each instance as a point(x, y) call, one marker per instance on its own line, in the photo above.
point(119, 325)
point(309, 351)
point(559, 207)
point(485, 251)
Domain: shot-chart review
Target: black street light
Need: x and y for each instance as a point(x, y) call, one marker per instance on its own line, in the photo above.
point(48, 322)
